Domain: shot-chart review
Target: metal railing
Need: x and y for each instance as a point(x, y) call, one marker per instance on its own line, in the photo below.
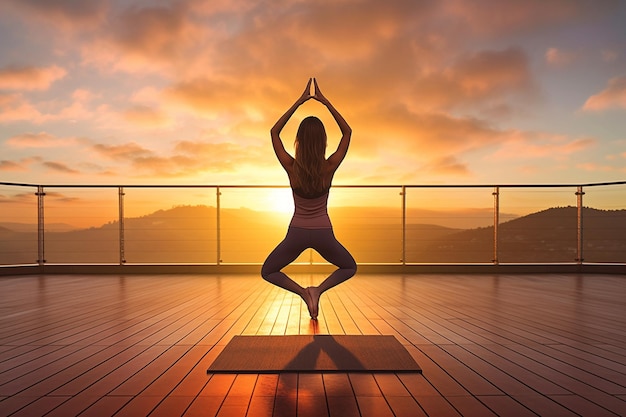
point(404, 223)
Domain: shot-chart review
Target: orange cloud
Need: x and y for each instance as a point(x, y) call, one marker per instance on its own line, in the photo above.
point(19, 198)
point(146, 116)
point(59, 168)
point(124, 151)
point(427, 135)
point(447, 165)
point(39, 140)
point(187, 158)
point(148, 39)
point(13, 166)
point(596, 167)
point(533, 146)
point(479, 78)
point(14, 107)
point(29, 78)
point(613, 96)
point(202, 95)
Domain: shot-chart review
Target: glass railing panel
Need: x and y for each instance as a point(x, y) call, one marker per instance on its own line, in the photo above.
point(368, 222)
point(449, 225)
point(252, 222)
point(192, 224)
point(170, 225)
point(18, 225)
point(80, 225)
point(544, 229)
point(604, 224)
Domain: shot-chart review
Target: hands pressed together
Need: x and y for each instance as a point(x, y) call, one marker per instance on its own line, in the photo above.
point(317, 95)
point(306, 95)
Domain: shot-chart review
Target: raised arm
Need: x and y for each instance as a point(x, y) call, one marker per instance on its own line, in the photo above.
point(346, 132)
point(283, 156)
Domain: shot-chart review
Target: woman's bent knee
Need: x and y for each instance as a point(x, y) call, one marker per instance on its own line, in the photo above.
point(352, 267)
point(267, 270)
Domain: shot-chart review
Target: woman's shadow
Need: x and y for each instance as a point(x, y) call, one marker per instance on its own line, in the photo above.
point(324, 353)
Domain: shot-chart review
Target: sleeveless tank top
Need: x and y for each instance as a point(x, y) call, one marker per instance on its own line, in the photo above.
point(311, 213)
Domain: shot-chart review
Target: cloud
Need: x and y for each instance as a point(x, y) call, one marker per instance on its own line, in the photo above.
point(59, 167)
point(29, 78)
point(14, 107)
point(19, 166)
point(39, 140)
point(187, 158)
point(541, 145)
point(60, 197)
point(483, 77)
point(203, 96)
point(597, 167)
point(147, 39)
point(613, 96)
point(498, 18)
point(20, 198)
point(559, 58)
point(422, 135)
point(62, 14)
point(80, 107)
point(447, 165)
point(146, 116)
point(128, 151)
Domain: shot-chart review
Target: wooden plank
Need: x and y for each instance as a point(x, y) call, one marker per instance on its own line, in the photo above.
point(404, 406)
point(204, 406)
point(337, 385)
point(471, 406)
point(286, 400)
point(374, 406)
point(340, 406)
point(40, 406)
point(238, 398)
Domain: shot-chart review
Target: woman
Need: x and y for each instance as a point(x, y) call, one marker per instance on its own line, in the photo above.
point(310, 176)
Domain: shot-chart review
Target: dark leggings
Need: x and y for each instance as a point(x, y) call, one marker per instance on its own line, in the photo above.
point(297, 241)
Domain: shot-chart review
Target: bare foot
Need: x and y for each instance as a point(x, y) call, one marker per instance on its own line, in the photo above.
point(314, 293)
point(308, 299)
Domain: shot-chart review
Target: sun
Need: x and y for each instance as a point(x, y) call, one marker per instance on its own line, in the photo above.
point(280, 200)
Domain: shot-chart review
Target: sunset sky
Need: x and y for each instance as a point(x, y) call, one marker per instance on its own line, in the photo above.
point(437, 92)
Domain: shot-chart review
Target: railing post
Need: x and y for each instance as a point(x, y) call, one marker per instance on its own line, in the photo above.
point(403, 194)
point(120, 193)
point(496, 222)
point(579, 234)
point(218, 230)
point(41, 256)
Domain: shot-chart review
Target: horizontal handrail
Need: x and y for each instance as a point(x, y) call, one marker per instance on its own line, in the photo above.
point(548, 185)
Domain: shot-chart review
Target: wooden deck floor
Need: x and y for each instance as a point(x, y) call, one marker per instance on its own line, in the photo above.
point(515, 345)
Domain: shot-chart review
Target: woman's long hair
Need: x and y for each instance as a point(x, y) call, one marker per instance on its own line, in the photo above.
point(310, 157)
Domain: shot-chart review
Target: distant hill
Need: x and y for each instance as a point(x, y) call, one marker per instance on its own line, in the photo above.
point(188, 234)
point(546, 236)
point(29, 227)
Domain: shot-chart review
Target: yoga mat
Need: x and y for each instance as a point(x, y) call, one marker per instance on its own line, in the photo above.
point(313, 353)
